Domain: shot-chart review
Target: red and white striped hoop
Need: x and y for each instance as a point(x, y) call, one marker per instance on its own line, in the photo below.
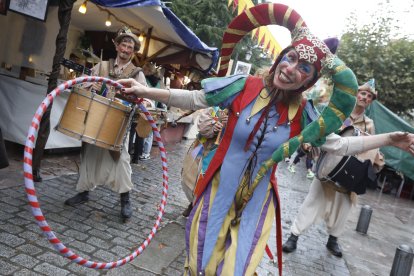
point(31, 192)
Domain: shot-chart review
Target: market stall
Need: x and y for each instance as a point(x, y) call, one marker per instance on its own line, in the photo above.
point(27, 47)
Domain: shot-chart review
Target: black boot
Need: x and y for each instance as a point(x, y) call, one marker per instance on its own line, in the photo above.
point(187, 211)
point(78, 199)
point(126, 211)
point(36, 176)
point(290, 244)
point(333, 246)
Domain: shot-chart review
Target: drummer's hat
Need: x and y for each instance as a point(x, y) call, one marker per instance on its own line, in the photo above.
point(126, 32)
point(370, 87)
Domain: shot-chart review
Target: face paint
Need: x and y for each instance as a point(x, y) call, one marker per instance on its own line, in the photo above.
point(304, 68)
point(292, 73)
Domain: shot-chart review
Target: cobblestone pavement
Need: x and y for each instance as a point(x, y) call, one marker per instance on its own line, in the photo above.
point(94, 231)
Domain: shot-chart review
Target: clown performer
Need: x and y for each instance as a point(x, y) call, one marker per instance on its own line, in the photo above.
point(228, 228)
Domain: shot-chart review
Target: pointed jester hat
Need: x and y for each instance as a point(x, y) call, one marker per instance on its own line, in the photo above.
point(370, 87)
point(310, 49)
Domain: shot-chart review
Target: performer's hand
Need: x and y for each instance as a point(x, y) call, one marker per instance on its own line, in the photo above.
point(403, 140)
point(132, 88)
point(146, 103)
point(223, 119)
point(97, 86)
point(217, 127)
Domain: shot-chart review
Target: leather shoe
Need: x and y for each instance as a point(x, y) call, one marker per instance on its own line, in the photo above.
point(187, 211)
point(333, 246)
point(36, 176)
point(78, 199)
point(126, 211)
point(290, 245)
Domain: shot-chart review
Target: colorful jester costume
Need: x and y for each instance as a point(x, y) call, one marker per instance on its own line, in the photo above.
point(229, 226)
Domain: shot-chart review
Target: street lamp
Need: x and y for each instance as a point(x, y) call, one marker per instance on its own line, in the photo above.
point(82, 8)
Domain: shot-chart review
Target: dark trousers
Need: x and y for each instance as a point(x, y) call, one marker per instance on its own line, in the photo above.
point(4, 160)
point(135, 148)
point(300, 154)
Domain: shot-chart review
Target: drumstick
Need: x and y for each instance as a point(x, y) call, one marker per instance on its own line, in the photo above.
point(174, 122)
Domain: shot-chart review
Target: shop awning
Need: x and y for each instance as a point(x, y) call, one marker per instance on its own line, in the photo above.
point(169, 39)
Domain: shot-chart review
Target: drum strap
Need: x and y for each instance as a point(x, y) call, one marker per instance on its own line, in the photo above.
point(334, 186)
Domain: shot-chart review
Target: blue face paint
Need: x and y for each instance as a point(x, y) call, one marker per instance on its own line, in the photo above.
point(304, 68)
point(285, 58)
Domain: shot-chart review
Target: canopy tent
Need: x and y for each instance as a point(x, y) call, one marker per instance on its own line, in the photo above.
point(166, 39)
point(385, 121)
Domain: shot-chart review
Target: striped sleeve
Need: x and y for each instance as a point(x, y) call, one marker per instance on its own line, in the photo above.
point(220, 91)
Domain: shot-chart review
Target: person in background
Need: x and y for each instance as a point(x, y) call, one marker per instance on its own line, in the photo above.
point(211, 124)
point(141, 135)
point(366, 95)
point(303, 150)
point(153, 80)
point(141, 150)
point(322, 198)
point(230, 223)
point(101, 166)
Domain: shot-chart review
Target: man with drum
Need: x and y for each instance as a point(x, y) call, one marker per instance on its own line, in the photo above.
point(100, 166)
point(323, 202)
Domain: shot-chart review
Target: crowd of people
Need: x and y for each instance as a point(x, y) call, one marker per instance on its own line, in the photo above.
point(248, 125)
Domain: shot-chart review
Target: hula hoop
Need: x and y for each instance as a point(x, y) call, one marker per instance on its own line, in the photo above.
point(31, 192)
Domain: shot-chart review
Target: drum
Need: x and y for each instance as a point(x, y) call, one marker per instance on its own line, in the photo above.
point(95, 119)
point(345, 173)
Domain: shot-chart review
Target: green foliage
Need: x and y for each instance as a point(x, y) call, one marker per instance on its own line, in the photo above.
point(377, 50)
point(206, 18)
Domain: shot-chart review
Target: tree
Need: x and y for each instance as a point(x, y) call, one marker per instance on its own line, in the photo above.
point(207, 19)
point(377, 50)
